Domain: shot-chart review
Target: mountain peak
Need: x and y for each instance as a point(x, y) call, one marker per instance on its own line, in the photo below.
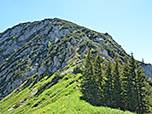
point(41, 48)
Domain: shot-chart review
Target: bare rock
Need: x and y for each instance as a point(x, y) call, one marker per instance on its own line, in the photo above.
point(148, 70)
point(41, 70)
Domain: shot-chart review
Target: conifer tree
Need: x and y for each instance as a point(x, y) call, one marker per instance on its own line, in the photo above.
point(108, 95)
point(126, 92)
point(99, 81)
point(117, 90)
point(142, 103)
point(87, 81)
point(125, 85)
point(132, 94)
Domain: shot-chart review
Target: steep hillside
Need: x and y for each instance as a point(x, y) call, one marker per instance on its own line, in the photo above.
point(37, 60)
point(54, 95)
point(44, 47)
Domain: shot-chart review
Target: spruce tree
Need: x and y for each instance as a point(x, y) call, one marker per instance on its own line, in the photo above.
point(99, 81)
point(117, 90)
point(125, 85)
point(88, 84)
point(134, 80)
point(132, 84)
point(142, 103)
point(108, 87)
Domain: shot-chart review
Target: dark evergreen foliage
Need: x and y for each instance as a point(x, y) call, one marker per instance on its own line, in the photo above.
point(117, 90)
point(87, 81)
point(99, 80)
point(108, 87)
point(118, 87)
point(125, 85)
point(132, 89)
point(142, 103)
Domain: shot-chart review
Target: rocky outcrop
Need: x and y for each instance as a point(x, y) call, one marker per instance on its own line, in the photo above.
point(23, 50)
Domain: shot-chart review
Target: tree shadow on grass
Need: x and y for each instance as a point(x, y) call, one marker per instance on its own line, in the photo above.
point(90, 102)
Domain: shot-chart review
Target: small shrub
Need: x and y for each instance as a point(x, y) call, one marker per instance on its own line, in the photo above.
point(17, 104)
point(56, 40)
point(49, 44)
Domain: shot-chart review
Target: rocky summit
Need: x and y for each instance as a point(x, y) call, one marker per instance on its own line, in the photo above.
point(33, 50)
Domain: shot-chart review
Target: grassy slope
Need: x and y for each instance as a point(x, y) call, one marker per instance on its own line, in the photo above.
point(62, 97)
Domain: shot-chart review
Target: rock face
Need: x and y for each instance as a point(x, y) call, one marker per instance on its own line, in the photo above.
point(148, 70)
point(41, 48)
point(25, 47)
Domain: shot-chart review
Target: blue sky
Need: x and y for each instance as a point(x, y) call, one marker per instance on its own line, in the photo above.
point(128, 21)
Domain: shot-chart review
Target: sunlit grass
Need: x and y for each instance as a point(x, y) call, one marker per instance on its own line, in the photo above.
point(63, 97)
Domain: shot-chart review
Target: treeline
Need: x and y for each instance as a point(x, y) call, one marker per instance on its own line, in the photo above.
point(114, 85)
